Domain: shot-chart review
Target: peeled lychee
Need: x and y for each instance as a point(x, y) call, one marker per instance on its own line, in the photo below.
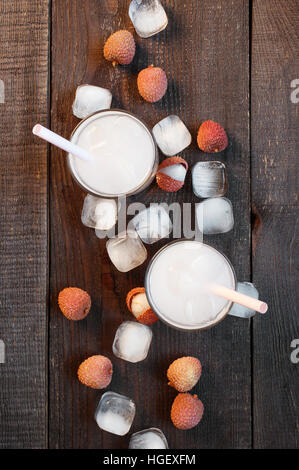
point(74, 303)
point(152, 83)
point(212, 137)
point(120, 48)
point(184, 373)
point(171, 174)
point(138, 304)
point(186, 411)
point(96, 372)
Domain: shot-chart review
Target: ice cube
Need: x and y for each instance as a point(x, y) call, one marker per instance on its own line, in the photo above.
point(209, 179)
point(172, 136)
point(132, 341)
point(99, 213)
point(151, 438)
point(215, 215)
point(152, 224)
point(148, 17)
point(126, 251)
point(90, 99)
point(115, 413)
point(238, 310)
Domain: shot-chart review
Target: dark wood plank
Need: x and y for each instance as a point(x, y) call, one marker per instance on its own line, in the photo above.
point(23, 224)
point(196, 51)
point(274, 192)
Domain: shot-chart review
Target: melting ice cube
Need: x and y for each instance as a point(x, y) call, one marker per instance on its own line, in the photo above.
point(209, 179)
point(215, 215)
point(148, 17)
point(132, 341)
point(126, 251)
point(152, 224)
point(238, 310)
point(90, 99)
point(151, 438)
point(172, 136)
point(99, 213)
point(115, 413)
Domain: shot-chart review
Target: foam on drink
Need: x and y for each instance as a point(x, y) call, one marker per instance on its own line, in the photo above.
point(123, 153)
point(177, 284)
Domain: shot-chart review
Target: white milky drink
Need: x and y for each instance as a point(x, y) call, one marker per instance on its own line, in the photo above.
point(123, 150)
point(177, 284)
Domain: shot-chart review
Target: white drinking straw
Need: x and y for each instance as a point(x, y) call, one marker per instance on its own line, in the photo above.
point(238, 298)
point(60, 142)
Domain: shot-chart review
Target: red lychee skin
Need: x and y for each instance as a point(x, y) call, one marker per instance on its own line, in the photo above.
point(120, 48)
point(186, 411)
point(211, 137)
point(146, 318)
point(96, 372)
point(152, 84)
point(167, 183)
point(184, 373)
point(74, 303)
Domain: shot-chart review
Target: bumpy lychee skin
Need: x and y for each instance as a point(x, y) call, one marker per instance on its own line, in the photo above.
point(152, 83)
point(120, 48)
point(96, 372)
point(211, 137)
point(74, 303)
point(186, 411)
point(184, 373)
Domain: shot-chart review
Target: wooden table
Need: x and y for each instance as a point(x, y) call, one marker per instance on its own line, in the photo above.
point(232, 61)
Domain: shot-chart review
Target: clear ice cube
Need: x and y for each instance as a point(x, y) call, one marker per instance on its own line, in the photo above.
point(209, 179)
point(152, 224)
point(126, 251)
point(237, 310)
point(99, 213)
point(132, 341)
point(90, 99)
point(152, 438)
point(148, 17)
point(215, 215)
point(171, 135)
point(115, 413)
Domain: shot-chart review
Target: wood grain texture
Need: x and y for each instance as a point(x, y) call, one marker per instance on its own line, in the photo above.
point(275, 149)
point(195, 51)
point(23, 224)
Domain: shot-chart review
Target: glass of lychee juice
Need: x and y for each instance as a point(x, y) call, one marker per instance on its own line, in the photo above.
point(124, 154)
point(177, 284)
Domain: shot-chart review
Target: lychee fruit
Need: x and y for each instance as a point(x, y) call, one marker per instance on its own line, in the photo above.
point(138, 304)
point(184, 373)
point(74, 303)
point(186, 411)
point(96, 372)
point(171, 174)
point(212, 137)
point(152, 83)
point(120, 48)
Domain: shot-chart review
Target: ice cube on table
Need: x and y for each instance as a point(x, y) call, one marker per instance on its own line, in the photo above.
point(90, 99)
point(126, 251)
point(115, 413)
point(152, 438)
point(215, 215)
point(148, 17)
point(209, 179)
point(152, 224)
point(132, 341)
point(99, 213)
point(171, 135)
point(237, 310)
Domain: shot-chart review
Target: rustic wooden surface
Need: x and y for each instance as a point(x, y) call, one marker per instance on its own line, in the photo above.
point(230, 61)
